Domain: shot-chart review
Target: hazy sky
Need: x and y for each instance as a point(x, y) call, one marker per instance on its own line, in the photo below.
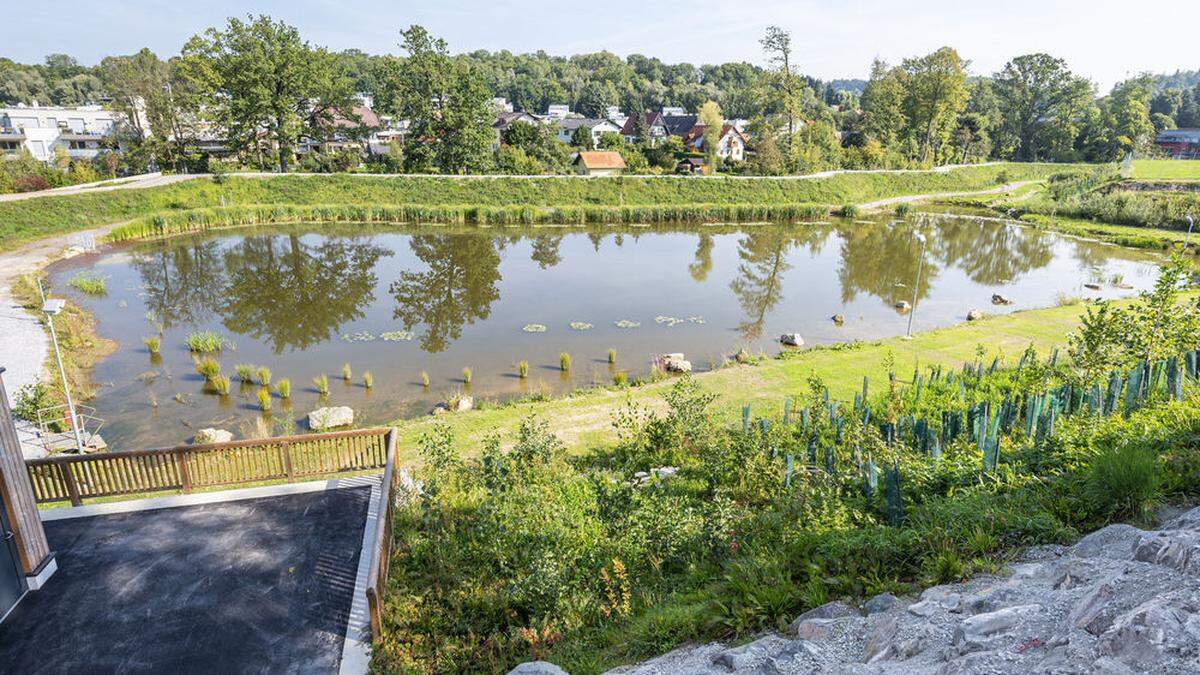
point(1105, 40)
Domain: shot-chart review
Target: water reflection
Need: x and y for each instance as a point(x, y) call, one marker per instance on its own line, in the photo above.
point(993, 255)
point(182, 284)
point(457, 287)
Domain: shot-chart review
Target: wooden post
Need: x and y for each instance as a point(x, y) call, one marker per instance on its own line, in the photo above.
point(185, 479)
point(286, 450)
point(16, 495)
point(68, 479)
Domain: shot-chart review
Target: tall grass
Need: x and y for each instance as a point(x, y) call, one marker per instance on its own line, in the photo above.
point(321, 382)
point(153, 344)
point(368, 380)
point(264, 400)
point(523, 369)
point(221, 385)
point(284, 388)
point(466, 375)
point(612, 356)
point(206, 342)
point(424, 379)
point(88, 283)
point(263, 375)
point(208, 367)
point(244, 372)
point(564, 362)
point(347, 373)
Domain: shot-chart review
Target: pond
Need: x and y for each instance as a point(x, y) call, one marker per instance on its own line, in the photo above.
point(402, 301)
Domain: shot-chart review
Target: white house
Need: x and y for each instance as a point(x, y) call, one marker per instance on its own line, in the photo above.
point(80, 131)
point(567, 127)
point(731, 145)
point(558, 111)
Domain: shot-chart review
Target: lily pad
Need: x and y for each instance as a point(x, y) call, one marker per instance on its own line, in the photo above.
point(581, 325)
point(626, 323)
point(669, 320)
point(695, 319)
point(396, 336)
point(361, 336)
point(534, 328)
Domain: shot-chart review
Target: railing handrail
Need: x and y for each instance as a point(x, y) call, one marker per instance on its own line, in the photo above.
point(210, 447)
point(381, 551)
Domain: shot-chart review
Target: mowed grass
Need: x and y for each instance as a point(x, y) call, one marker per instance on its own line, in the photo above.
point(583, 419)
point(1166, 169)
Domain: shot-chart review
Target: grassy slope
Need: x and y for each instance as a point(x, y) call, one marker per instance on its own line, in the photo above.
point(584, 418)
point(1166, 169)
point(30, 219)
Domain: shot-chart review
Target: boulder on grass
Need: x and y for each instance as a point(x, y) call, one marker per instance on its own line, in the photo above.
point(791, 340)
point(674, 363)
point(207, 436)
point(330, 418)
point(974, 315)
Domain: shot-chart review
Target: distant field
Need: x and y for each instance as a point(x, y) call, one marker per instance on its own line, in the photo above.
point(1167, 169)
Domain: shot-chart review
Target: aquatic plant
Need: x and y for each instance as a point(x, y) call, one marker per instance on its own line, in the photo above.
point(361, 336)
point(466, 373)
point(221, 385)
point(206, 342)
point(669, 320)
point(581, 325)
point(903, 209)
point(626, 323)
point(321, 382)
point(347, 373)
point(153, 343)
point(534, 328)
point(523, 369)
point(244, 372)
point(564, 361)
point(284, 387)
point(208, 367)
point(620, 378)
point(424, 379)
point(368, 379)
point(263, 375)
point(264, 399)
point(88, 283)
point(612, 355)
point(397, 336)
point(848, 211)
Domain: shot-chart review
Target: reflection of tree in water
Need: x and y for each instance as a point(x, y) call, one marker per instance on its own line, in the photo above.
point(990, 253)
point(458, 287)
point(881, 260)
point(759, 285)
point(1090, 255)
point(294, 295)
point(545, 250)
point(703, 263)
point(182, 283)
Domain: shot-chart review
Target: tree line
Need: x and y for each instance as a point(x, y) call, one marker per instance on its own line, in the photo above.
point(263, 88)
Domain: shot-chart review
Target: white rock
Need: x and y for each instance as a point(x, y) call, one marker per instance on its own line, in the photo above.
point(674, 363)
point(975, 629)
point(330, 418)
point(791, 340)
point(974, 315)
point(537, 668)
point(206, 436)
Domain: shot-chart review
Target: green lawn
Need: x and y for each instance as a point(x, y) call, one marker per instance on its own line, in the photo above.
point(1167, 169)
point(584, 419)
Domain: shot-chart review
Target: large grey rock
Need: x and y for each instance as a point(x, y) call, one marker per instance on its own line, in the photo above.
point(1114, 542)
point(791, 340)
point(976, 632)
point(1189, 520)
point(1177, 549)
point(829, 610)
point(751, 654)
point(1142, 636)
point(330, 418)
point(674, 363)
point(1094, 612)
point(883, 602)
point(974, 314)
point(537, 668)
point(206, 436)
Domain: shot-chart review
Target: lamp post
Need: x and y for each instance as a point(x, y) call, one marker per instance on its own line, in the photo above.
point(1188, 240)
point(916, 287)
point(52, 308)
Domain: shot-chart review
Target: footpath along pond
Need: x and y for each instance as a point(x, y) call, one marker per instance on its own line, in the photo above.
point(401, 302)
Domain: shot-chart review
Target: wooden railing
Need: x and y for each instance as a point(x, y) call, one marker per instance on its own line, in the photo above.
point(381, 552)
point(191, 467)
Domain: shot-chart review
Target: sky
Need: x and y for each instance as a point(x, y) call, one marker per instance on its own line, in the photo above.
point(1104, 40)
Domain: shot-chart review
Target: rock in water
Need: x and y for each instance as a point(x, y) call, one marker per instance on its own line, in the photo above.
point(1094, 287)
point(903, 306)
point(974, 315)
point(330, 418)
point(674, 363)
point(206, 436)
point(998, 299)
point(791, 340)
point(838, 319)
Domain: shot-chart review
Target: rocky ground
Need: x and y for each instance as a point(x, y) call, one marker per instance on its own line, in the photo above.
point(1122, 600)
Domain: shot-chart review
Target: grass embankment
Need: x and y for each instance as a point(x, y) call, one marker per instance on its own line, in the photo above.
point(584, 419)
point(1166, 169)
point(458, 198)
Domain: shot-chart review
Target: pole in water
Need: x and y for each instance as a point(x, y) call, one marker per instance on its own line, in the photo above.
point(916, 287)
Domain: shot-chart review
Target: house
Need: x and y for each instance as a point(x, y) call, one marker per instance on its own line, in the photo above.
point(690, 165)
point(350, 132)
point(731, 146)
point(1179, 143)
point(598, 127)
point(613, 114)
point(654, 123)
point(557, 111)
point(505, 120)
point(81, 131)
point(598, 163)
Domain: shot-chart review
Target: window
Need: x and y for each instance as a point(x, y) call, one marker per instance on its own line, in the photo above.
point(38, 148)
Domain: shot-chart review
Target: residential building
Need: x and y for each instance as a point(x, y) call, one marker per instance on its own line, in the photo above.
point(598, 127)
point(80, 131)
point(349, 132)
point(731, 146)
point(500, 105)
point(690, 165)
point(1180, 143)
point(613, 114)
point(654, 123)
point(671, 111)
point(504, 121)
point(598, 163)
point(558, 111)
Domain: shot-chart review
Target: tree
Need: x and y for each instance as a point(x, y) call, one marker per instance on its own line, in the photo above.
point(446, 103)
point(582, 137)
point(883, 104)
point(1130, 110)
point(777, 44)
point(1189, 111)
point(260, 76)
point(936, 95)
point(1036, 92)
point(714, 124)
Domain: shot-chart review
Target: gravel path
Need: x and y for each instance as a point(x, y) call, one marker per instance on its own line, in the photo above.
point(871, 206)
point(141, 182)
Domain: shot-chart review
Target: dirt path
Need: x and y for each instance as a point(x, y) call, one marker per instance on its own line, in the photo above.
point(141, 182)
point(875, 205)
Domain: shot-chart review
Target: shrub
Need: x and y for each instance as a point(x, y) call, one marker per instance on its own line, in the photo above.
point(620, 378)
point(208, 367)
point(564, 362)
point(368, 380)
point(30, 399)
point(1124, 481)
point(284, 387)
point(903, 209)
point(88, 283)
point(848, 211)
point(321, 382)
point(264, 399)
point(523, 369)
point(221, 385)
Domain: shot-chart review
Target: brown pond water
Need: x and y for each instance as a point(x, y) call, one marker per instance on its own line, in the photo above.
point(397, 301)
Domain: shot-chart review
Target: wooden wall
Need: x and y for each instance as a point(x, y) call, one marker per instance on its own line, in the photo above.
point(17, 493)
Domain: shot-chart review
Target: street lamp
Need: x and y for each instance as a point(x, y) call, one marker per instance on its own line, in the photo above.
point(52, 307)
point(1188, 240)
point(916, 287)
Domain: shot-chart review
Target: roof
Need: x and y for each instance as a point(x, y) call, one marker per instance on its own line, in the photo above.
point(678, 125)
point(695, 133)
point(367, 118)
point(693, 161)
point(601, 159)
point(1178, 134)
point(630, 128)
point(505, 120)
point(573, 123)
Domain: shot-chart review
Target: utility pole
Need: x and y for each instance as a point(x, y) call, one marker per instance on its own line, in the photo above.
point(916, 287)
point(50, 308)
